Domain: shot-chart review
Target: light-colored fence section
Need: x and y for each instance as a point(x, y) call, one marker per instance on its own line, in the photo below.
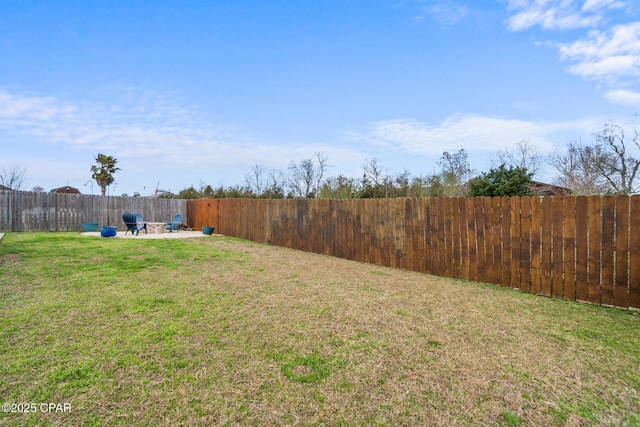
point(577, 248)
point(39, 211)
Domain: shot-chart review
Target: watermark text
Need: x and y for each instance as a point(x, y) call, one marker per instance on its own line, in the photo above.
point(24, 408)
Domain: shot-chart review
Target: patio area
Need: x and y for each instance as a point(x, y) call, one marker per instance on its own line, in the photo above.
point(143, 235)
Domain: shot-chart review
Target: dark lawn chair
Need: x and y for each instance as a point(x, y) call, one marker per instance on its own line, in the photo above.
point(131, 221)
point(177, 219)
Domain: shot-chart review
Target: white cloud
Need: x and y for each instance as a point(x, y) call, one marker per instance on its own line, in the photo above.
point(606, 55)
point(152, 134)
point(597, 5)
point(559, 14)
point(445, 12)
point(610, 56)
point(624, 97)
point(474, 133)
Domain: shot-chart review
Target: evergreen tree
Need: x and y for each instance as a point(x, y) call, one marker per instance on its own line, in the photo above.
point(515, 181)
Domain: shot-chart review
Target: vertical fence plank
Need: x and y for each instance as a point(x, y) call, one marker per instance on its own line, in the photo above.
point(376, 237)
point(472, 233)
point(582, 228)
point(515, 244)
point(558, 218)
point(536, 229)
point(487, 207)
point(525, 247)
point(634, 253)
point(497, 240)
point(449, 226)
point(595, 233)
point(621, 288)
point(421, 231)
point(428, 236)
point(546, 223)
point(437, 245)
point(366, 228)
point(480, 238)
point(448, 237)
point(411, 234)
point(464, 238)
point(569, 263)
point(388, 241)
point(401, 239)
point(380, 232)
point(442, 232)
point(365, 242)
point(507, 263)
point(608, 234)
point(456, 260)
point(336, 228)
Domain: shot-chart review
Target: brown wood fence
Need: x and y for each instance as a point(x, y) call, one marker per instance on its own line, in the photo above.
point(39, 211)
point(577, 248)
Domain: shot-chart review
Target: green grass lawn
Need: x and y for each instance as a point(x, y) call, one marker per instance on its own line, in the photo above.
point(219, 331)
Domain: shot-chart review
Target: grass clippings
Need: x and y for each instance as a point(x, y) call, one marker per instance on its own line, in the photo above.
point(227, 332)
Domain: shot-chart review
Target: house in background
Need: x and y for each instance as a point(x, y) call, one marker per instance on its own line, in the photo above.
point(66, 190)
point(2, 187)
point(544, 189)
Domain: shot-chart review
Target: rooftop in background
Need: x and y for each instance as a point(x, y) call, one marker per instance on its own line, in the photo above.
point(66, 189)
point(544, 189)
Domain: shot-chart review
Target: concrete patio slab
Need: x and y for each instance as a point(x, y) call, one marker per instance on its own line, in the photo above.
point(173, 235)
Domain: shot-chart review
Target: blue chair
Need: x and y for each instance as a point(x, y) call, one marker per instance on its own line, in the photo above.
point(134, 223)
point(140, 224)
point(177, 219)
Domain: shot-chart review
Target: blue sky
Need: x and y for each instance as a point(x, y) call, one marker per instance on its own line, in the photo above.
point(184, 92)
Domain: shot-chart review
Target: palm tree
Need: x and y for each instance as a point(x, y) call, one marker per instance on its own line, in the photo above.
point(103, 172)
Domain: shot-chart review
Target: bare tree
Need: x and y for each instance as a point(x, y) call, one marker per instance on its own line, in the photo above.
point(455, 172)
point(605, 166)
point(524, 155)
point(580, 168)
point(374, 180)
point(456, 165)
point(619, 168)
point(374, 172)
point(256, 180)
point(305, 178)
point(277, 181)
point(13, 178)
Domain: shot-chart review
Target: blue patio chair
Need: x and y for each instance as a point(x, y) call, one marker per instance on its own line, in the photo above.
point(141, 224)
point(177, 219)
point(130, 221)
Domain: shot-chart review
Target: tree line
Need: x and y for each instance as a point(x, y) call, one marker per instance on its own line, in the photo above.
point(607, 165)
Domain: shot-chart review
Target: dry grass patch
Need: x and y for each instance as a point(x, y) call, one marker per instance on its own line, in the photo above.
point(228, 332)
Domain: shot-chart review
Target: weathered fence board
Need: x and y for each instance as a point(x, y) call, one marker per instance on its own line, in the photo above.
point(569, 261)
point(581, 247)
point(621, 252)
point(558, 247)
point(578, 248)
point(634, 253)
point(608, 245)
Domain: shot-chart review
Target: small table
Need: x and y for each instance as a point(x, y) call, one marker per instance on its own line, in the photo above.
point(156, 227)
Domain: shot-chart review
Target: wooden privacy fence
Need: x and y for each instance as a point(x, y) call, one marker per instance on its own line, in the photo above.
point(577, 248)
point(39, 211)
